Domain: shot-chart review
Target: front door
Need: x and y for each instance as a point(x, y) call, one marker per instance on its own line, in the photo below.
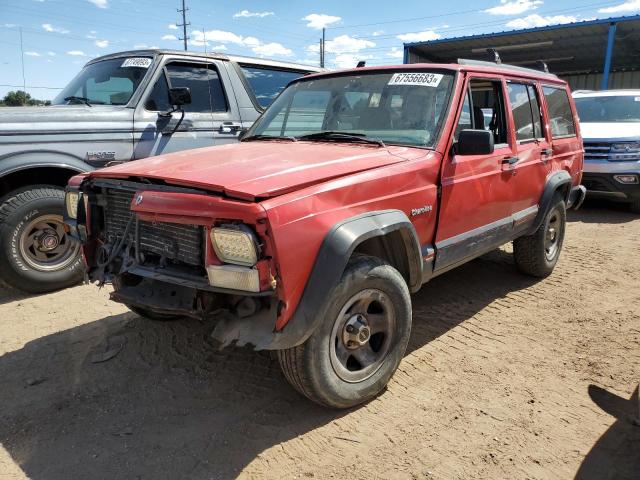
point(475, 210)
point(212, 118)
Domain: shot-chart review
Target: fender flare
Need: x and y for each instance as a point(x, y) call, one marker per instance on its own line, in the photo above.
point(333, 256)
point(15, 162)
point(555, 181)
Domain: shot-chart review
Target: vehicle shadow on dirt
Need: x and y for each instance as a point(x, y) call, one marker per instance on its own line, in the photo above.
point(597, 211)
point(125, 397)
point(617, 453)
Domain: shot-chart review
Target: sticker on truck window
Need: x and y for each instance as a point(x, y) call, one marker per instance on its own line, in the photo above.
point(139, 62)
point(417, 78)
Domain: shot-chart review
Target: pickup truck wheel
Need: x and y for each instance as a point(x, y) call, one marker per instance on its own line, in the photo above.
point(635, 206)
point(537, 254)
point(36, 254)
point(118, 282)
point(359, 344)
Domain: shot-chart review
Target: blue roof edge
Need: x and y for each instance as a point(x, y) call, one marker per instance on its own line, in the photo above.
point(583, 23)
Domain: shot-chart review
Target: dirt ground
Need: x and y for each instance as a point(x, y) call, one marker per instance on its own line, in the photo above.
point(505, 377)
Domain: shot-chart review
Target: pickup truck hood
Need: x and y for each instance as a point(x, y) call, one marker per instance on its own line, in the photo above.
point(261, 169)
point(64, 118)
point(610, 131)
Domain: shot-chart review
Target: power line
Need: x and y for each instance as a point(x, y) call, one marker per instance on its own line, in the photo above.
point(29, 86)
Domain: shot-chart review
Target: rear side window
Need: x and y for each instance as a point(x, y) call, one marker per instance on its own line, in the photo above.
point(560, 116)
point(267, 83)
point(526, 111)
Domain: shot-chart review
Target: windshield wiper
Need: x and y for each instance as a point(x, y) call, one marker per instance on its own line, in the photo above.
point(74, 98)
point(270, 137)
point(348, 136)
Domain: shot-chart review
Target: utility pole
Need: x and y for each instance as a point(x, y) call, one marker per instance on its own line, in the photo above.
point(321, 62)
point(184, 23)
point(24, 81)
point(322, 49)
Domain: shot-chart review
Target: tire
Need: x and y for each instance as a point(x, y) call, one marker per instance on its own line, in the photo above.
point(118, 282)
point(36, 256)
point(324, 368)
point(537, 254)
point(634, 206)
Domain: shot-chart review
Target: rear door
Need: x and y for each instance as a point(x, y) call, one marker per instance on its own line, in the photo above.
point(212, 118)
point(475, 212)
point(533, 151)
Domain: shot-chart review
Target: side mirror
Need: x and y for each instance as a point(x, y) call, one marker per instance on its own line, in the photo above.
point(179, 96)
point(474, 142)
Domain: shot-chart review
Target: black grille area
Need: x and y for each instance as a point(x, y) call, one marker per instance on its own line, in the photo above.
point(596, 151)
point(175, 242)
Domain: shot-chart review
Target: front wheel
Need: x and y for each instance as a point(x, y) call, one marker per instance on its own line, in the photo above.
point(36, 255)
point(361, 340)
point(537, 254)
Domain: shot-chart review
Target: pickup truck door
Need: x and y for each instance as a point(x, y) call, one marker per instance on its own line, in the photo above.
point(212, 118)
point(475, 211)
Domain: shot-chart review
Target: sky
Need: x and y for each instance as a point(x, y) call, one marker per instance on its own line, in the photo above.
point(60, 36)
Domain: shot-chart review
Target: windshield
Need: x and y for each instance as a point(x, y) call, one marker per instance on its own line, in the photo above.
point(398, 108)
point(623, 108)
point(109, 82)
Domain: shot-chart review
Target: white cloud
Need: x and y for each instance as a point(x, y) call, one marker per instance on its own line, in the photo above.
point(346, 44)
point(51, 54)
point(199, 38)
point(514, 7)
point(169, 37)
point(50, 28)
point(99, 3)
point(271, 49)
point(320, 20)
point(248, 14)
point(251, 41)
point(8, 25)
point(76, 53)
point(218, 48)
point(377, 33)
point(102, 43)
point(32, 54)
point(424, 36)
point(536, 20)
point(145, 46)
point(172, 26)
point(626, 7)
point(395, 52)
point(348, 60)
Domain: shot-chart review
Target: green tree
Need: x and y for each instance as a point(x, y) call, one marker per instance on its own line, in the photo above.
point(17, 98)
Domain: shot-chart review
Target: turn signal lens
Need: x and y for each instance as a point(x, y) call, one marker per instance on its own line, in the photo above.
point(234, 277)
point(237, 246)
point(71, 202)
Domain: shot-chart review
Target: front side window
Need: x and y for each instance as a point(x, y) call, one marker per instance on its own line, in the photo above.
point(560, 116)
point(398, 108)
point(267, 83)
point(609, 109)
point(108, 82)
point(483, 109)
point(526, 111)
point(207, 92)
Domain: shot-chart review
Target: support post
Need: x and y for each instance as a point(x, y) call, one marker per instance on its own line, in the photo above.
point(322, 49)
point(608, 56)
point(405, 57)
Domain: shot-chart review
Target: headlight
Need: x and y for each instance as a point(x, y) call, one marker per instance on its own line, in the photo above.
point(235, 245)
point(71, 202)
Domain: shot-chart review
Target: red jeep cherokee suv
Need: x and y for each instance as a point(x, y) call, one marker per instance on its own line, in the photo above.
point(352, 190)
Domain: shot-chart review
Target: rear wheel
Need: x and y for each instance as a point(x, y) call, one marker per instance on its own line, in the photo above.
point(358, 346)
point(36, 254)
point(537, 254)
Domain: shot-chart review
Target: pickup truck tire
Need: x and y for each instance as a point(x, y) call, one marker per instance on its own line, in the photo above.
point(36, 255)
point(634, 206)
point(537, 254)
point(361, 340)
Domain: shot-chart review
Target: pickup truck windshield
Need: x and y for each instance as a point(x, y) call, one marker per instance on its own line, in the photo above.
point(109, 82)
point(396, 108)
point(608, 109)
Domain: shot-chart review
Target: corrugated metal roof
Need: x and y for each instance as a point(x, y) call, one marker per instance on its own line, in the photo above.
point(567, 48)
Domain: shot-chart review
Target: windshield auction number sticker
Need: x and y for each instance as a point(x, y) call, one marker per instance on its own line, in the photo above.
point(139, 62)
point(422, 79)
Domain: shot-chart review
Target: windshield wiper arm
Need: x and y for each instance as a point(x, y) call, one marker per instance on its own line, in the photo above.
point(75, 98)
point(334, 135)
point(270, 137)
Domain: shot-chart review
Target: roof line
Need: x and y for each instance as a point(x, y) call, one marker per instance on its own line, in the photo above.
point(598, 21)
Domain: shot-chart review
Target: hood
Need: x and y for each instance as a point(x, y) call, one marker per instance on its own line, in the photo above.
point(60, 117)
point(261, 169)
point(610, 131)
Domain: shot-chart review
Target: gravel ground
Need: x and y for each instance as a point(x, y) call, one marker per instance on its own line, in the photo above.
point(505, 377)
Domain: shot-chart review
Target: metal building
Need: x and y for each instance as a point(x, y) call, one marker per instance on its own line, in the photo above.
point(590, 55)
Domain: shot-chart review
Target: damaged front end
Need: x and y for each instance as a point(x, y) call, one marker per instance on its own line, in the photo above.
point(174, 251)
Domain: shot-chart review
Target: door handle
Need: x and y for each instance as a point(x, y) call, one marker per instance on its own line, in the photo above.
point(547, 151)
point(229, 128)
point(508, 163)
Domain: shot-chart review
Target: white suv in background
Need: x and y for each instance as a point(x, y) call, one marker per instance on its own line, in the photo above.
point(610, 126)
